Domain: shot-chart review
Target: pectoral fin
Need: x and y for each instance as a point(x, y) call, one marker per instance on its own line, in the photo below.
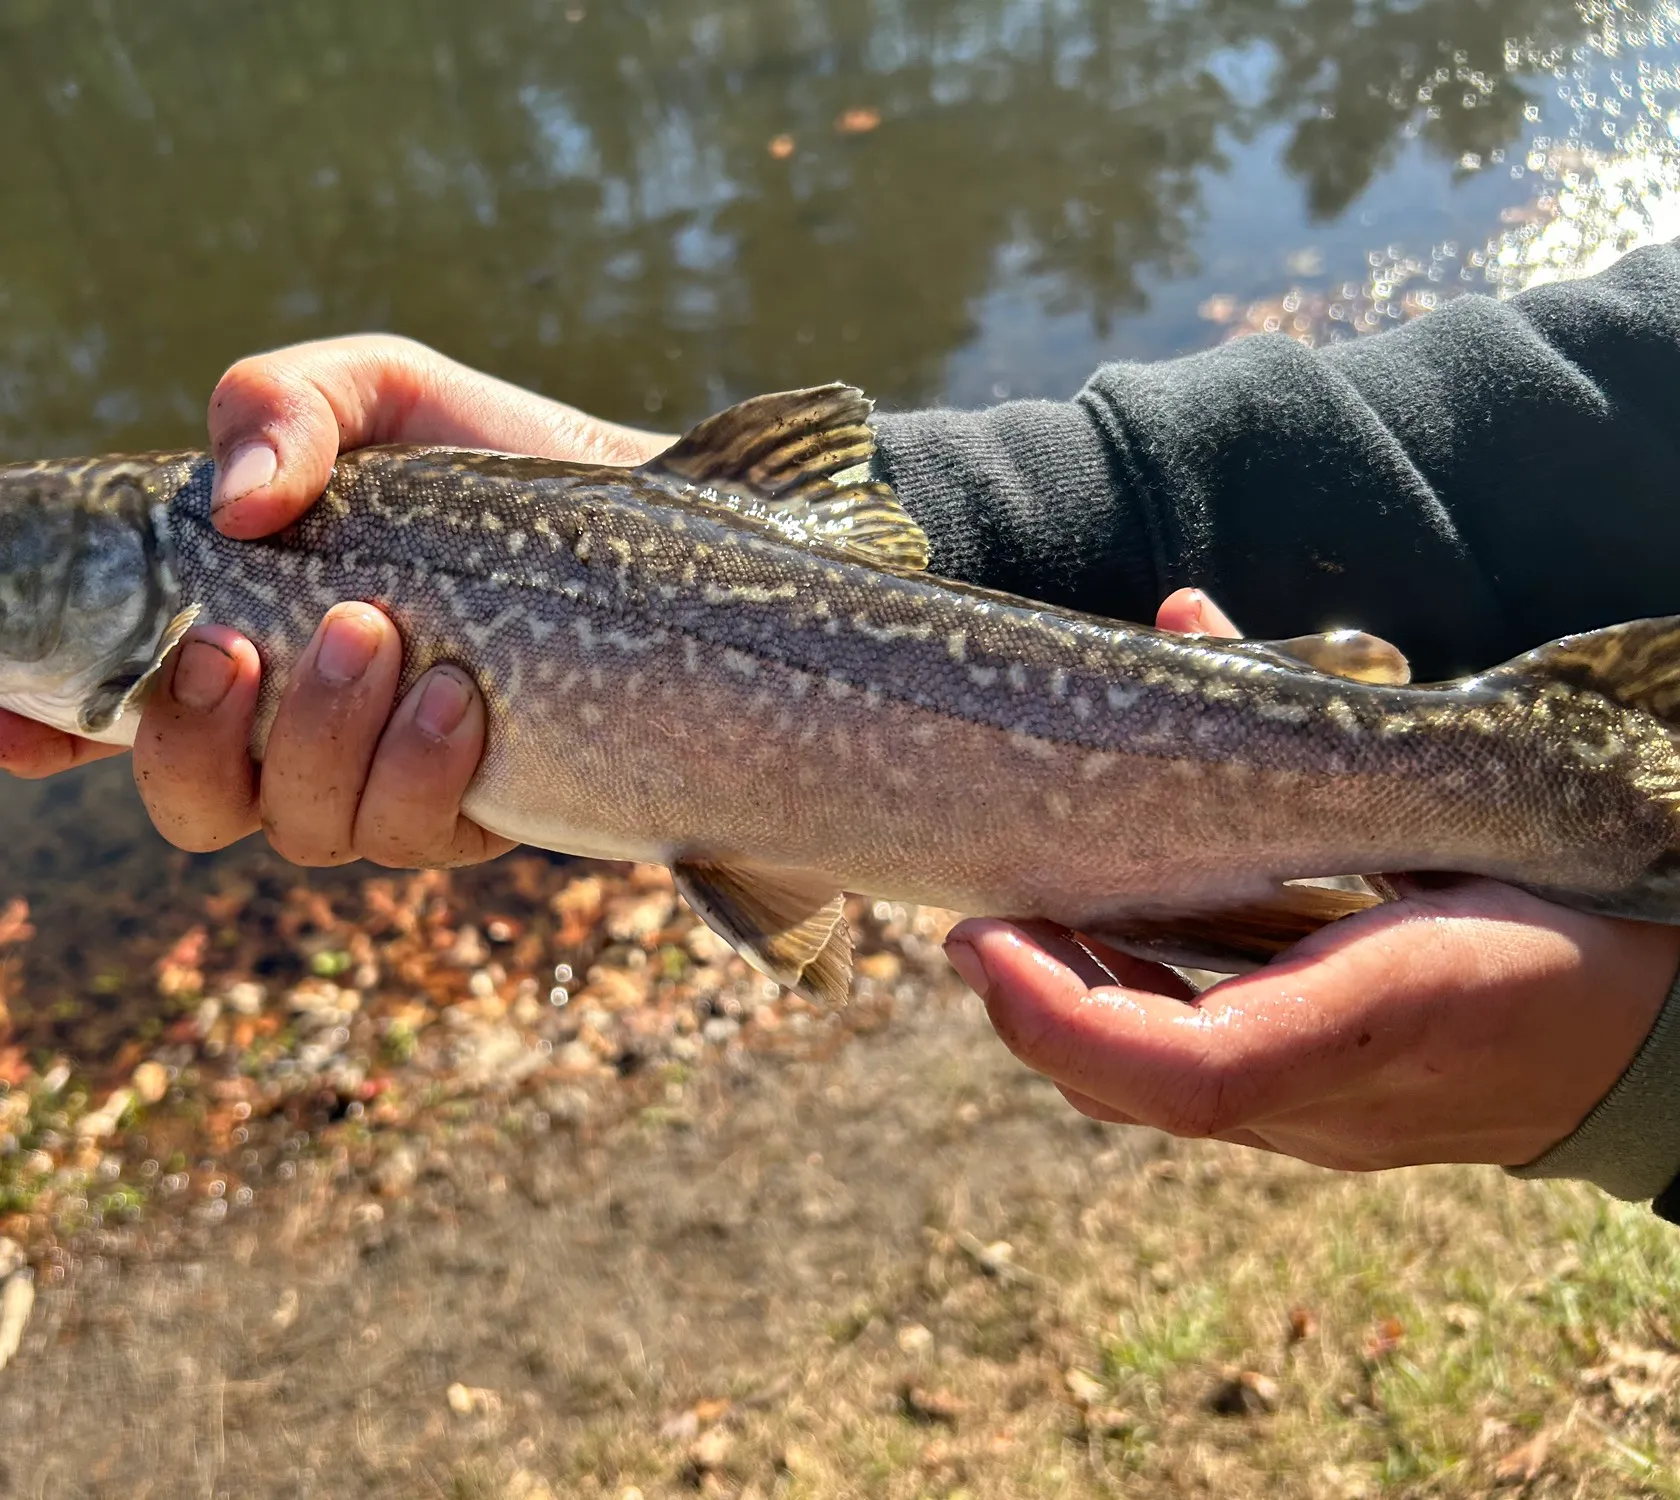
point(1235, 939)
point(789, 926)
point(125, 688)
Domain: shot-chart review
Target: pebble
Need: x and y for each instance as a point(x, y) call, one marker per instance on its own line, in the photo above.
point(396, 1173)
point(101, 1122)
point(17, 1301)
point(244, 997)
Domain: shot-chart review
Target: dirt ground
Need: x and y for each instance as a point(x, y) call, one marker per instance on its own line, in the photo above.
point(904, 1269)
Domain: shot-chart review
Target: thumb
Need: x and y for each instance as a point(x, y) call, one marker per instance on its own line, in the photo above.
point(278, 422)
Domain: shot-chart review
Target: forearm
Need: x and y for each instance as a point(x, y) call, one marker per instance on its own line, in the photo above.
point(1489, 477)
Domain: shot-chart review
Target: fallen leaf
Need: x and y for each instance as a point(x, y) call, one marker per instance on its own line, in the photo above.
point(1522, 1464)
point(1384, 1339)
point(710, 1449)
point(1303, 1324)
point(1085, 1388)
point(858, 120)
point(782, 147)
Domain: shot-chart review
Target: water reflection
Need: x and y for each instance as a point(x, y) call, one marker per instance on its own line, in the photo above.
point(582, 195)
point(651, 207)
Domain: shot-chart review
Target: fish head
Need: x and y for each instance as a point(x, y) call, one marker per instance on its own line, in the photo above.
point(87, 587)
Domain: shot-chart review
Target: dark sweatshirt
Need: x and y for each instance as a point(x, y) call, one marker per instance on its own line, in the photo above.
point(1478, 482)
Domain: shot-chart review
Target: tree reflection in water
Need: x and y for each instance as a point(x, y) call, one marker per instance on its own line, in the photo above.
point(581, 195)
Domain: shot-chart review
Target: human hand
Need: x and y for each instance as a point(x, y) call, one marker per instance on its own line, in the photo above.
point(343, 776)
point(1468, 1021)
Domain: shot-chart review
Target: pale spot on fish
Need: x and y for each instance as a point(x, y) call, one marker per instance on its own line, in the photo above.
point(982, 676)
point(956, 645)
point(1017, 675)
point(1058, 683)
point(1095, 764)
point(1058, 804)
point(1341, 714)
point(739, 662)
point(923, 733)
point(590, 714)
point(1030, 745)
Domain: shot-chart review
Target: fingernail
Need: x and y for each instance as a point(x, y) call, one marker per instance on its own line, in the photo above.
point(203, 676)
point(443, 704)
point(967, 964)
point(348, 646)
point(249, 467)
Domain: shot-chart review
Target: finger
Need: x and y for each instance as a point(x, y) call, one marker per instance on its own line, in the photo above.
point(1094, 1109)
point(192, 759)
point(410, 814)
point(1195, 1070)
point(316, 760)
point(278, 421)
point(31, 751)
point(1191, 612)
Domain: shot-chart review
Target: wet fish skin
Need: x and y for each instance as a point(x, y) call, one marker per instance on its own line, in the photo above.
point(729, 662)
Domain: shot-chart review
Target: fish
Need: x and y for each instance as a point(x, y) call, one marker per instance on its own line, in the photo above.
point(732, 660)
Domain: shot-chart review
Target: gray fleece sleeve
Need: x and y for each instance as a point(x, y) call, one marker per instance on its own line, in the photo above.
point(1490, 477)
point(1629, 1145)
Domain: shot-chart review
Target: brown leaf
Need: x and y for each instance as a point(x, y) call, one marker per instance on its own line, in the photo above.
point(1522, 1465)
point(782, 147)
point(1384, 1339)
point(858, 120)
point(1303, 1324)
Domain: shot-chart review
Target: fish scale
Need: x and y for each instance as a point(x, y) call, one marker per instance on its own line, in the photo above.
point(732, 660)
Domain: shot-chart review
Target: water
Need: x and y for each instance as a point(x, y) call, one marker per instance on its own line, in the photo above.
point(652, 208)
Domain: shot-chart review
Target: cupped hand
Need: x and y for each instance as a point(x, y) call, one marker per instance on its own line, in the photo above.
point(1467, 1021)
point(347, 771)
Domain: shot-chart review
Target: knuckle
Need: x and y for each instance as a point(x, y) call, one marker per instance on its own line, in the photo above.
point(302, 850)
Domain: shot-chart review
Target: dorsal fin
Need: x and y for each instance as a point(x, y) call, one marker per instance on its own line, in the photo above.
point(1636, 664)
point(782, 452)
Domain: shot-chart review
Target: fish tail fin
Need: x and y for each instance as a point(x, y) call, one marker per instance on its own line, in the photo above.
point(804, 454)
point(1636, 665)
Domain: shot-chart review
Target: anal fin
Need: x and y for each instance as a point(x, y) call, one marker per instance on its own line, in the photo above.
point(1235, 939)
point(788, 925)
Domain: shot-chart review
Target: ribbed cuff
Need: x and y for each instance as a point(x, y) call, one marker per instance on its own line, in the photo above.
point(1630, 1144)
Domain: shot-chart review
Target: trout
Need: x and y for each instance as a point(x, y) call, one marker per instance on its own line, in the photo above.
point(731, 660)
